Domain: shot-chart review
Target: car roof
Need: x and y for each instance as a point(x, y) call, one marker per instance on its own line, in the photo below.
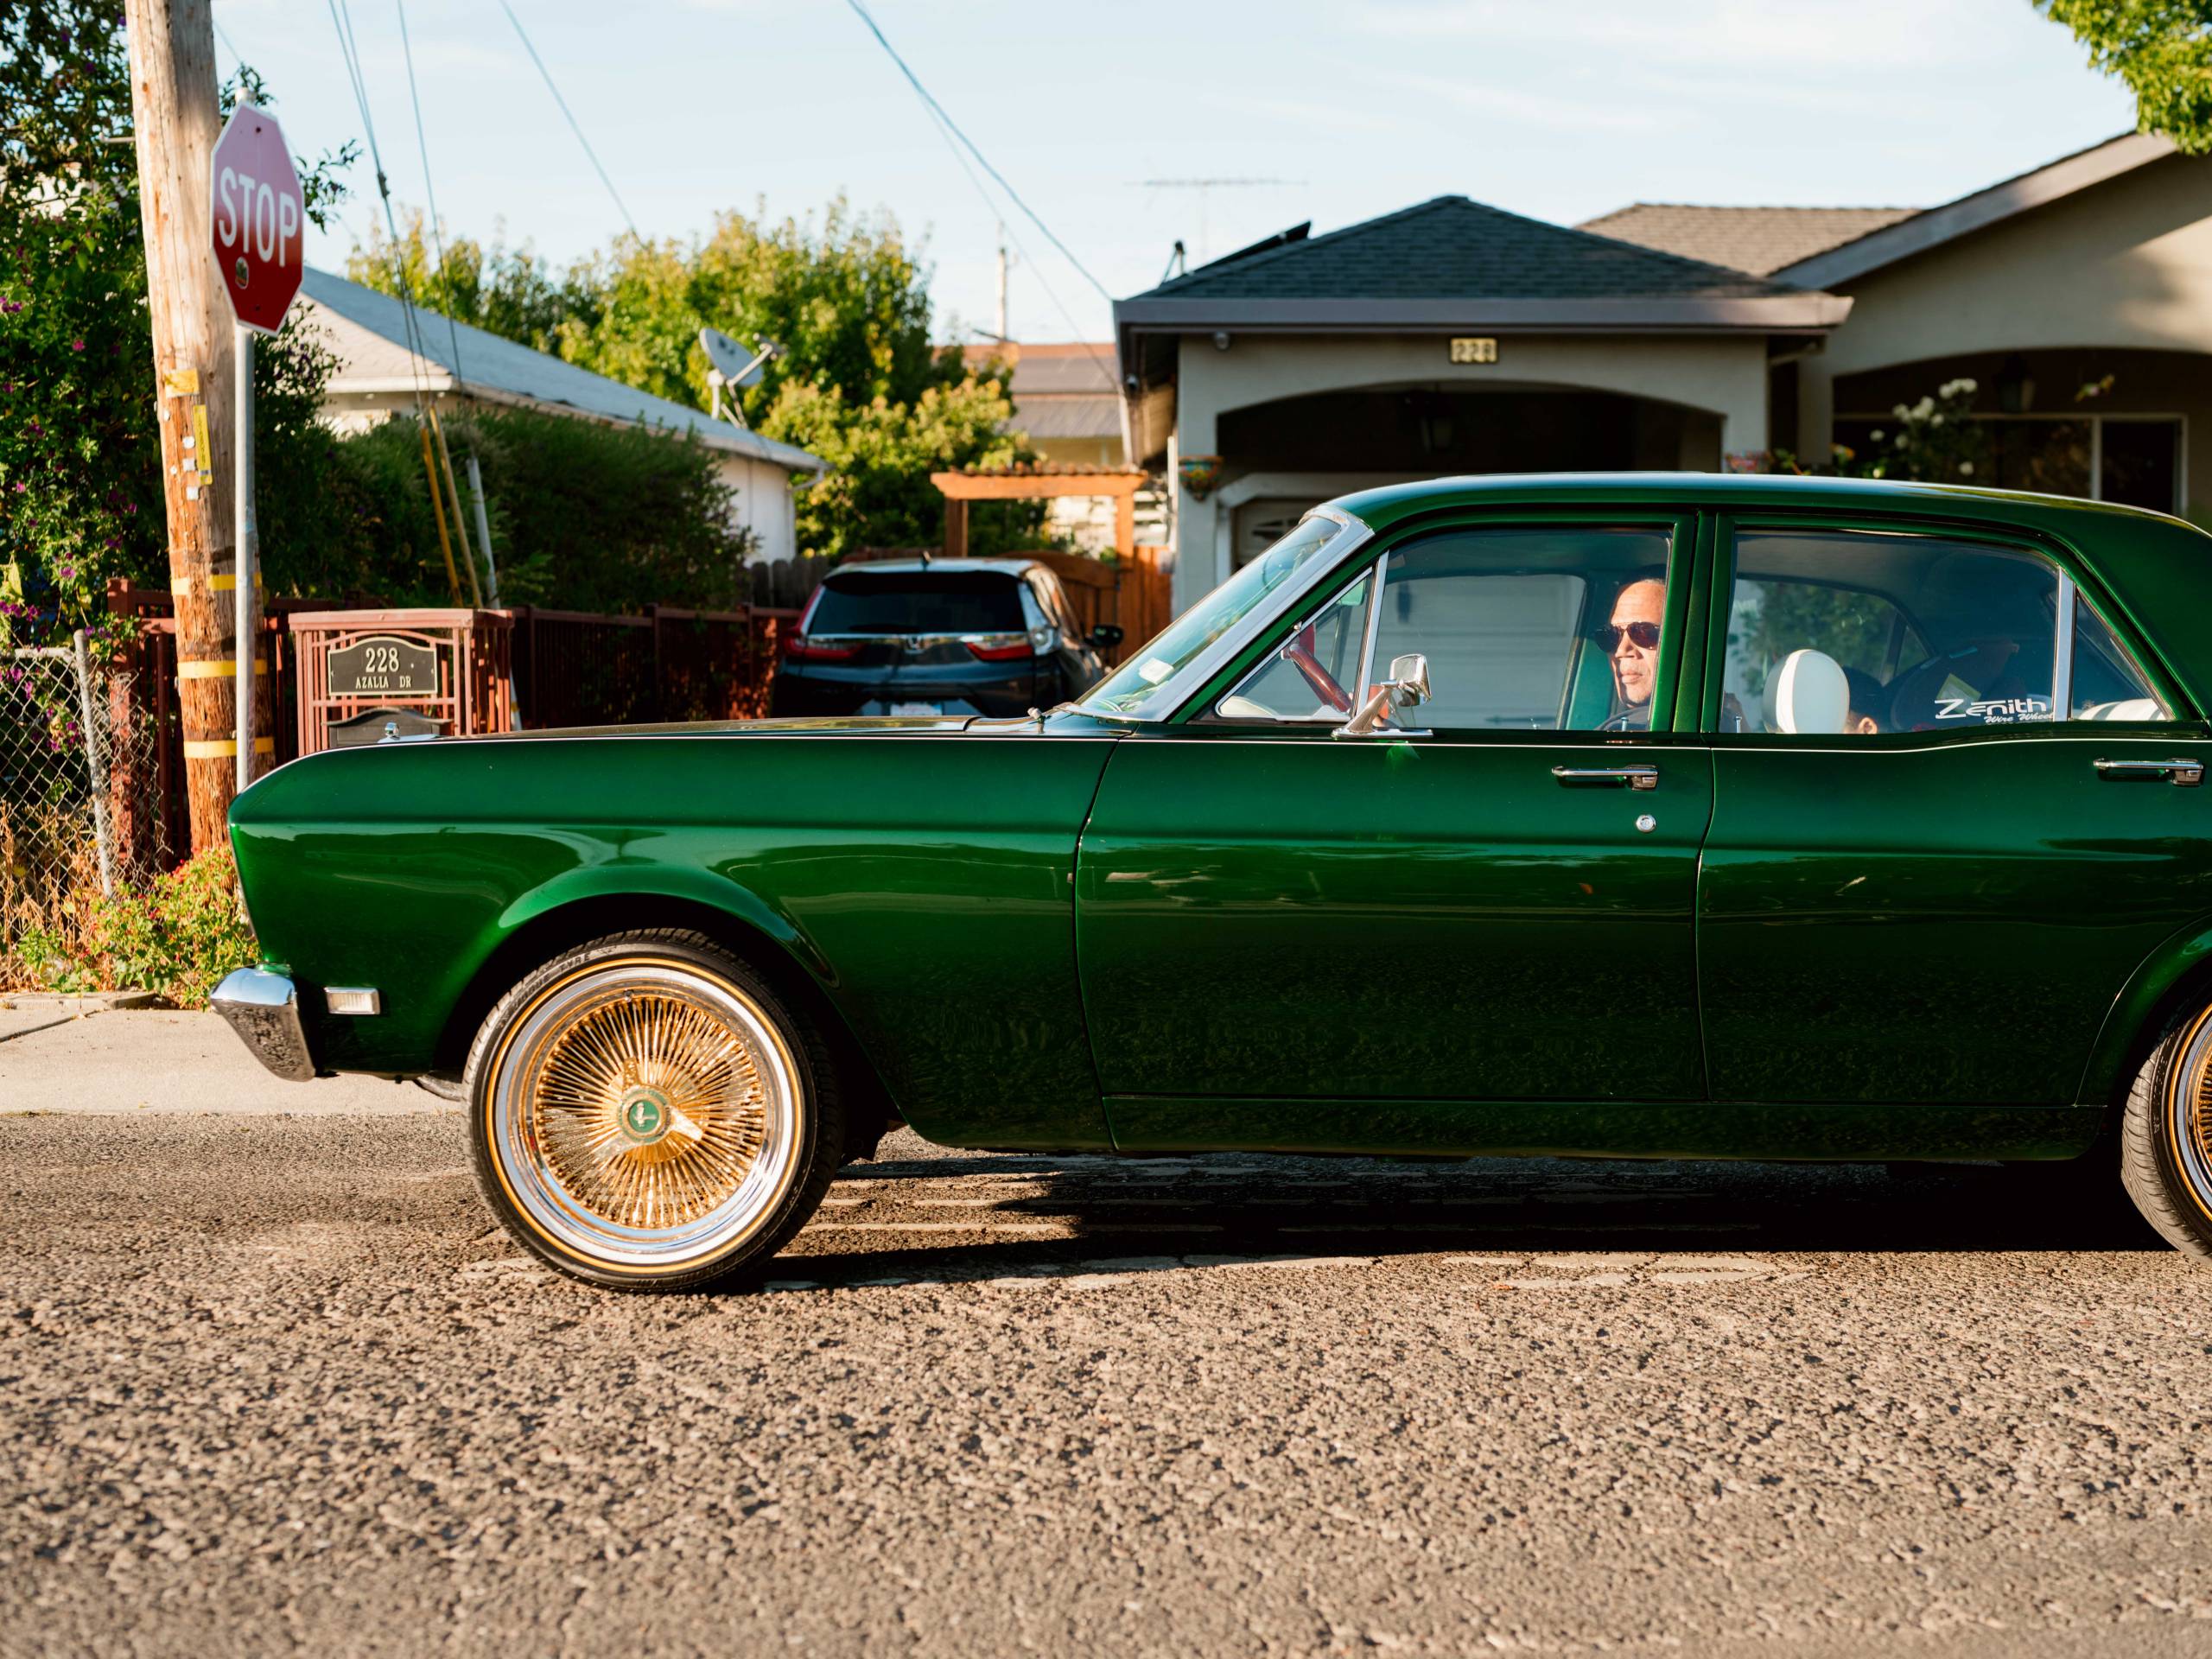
point(1720, 491)
point(2156, 568)
point(909, 567)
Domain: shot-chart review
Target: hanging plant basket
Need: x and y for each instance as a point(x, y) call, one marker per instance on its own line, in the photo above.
point(1200, 475)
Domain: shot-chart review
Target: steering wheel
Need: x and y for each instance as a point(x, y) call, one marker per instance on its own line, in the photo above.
point(1985, 664)
point(1300, 654)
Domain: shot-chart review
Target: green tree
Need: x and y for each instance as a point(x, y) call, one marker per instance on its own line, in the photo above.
point(2162, 49)
point(81, 497)
point(856, 380)
point(584, 516)
point(507, 291)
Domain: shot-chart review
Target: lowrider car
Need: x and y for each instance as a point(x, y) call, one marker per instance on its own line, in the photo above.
point(1630, 816)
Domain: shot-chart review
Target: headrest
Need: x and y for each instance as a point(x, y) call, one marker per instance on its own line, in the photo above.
point(1807, 693)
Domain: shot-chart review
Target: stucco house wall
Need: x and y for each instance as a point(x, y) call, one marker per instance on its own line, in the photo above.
point(1723, 377)
point(2121, 268)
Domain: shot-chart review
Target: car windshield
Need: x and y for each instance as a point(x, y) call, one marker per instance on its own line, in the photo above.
point(918, 601)
point(1154, 676)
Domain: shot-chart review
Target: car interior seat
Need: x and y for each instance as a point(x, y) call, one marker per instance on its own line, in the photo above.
point(1807, 692)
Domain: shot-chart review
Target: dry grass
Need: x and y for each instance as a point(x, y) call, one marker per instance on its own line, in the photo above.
point(49, 886)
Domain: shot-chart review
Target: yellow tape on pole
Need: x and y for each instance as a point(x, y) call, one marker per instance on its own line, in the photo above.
point(217, 749)
point(182, 585)
point(214, 667)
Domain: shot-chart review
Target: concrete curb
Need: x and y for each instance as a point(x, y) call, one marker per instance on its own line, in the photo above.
point(24, 1012)
point(76, 1003)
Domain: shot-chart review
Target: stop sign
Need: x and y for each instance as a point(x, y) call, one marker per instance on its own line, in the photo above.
point(259, 218)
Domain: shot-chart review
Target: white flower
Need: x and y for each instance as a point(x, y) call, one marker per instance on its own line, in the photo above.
point(1875, 435)
point(1969, 387)
point(1925, 408)
point(1966, 469)
point(1934, 420)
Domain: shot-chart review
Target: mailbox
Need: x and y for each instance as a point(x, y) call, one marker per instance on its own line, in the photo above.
point(379, 677)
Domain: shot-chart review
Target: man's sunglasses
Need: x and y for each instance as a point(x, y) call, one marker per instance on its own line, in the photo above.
point(1643, 634)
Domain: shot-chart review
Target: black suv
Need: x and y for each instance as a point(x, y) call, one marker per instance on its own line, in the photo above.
point(937, 637)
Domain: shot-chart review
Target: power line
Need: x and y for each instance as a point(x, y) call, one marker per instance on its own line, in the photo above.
point(235, 56)
point(937, 109)
point(945, 129)
point(341, 20)
point(573, 127)
point(430, 190)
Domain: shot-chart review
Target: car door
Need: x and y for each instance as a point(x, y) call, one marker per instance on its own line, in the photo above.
point(1291, 937)
point(1945, 829)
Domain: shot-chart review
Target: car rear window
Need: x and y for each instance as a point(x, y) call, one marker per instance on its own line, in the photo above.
point(919, 602)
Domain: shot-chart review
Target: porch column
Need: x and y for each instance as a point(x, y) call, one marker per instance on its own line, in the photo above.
point(1815, 410)
point(1199, 565)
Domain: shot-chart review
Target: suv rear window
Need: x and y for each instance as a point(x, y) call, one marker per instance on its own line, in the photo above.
point(919, 602)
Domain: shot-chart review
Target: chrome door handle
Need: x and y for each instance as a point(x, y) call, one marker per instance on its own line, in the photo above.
point(1607, 776)
point(2180, 770)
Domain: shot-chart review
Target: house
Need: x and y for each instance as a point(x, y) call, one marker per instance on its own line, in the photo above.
point(1064, 405)
point(1452, 337)
point(378, 375)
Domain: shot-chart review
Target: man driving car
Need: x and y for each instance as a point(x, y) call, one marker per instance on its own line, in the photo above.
point(1631, 640)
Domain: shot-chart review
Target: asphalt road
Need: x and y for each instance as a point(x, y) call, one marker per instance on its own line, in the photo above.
point(273, 1382)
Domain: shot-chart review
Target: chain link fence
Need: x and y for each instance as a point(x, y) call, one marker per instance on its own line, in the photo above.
point(80, 811)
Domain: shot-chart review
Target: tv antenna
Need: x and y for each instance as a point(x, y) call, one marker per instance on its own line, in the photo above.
point(727, 366)
point(1205, 187)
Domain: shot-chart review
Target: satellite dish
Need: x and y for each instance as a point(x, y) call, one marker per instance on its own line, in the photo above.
point(736, 366)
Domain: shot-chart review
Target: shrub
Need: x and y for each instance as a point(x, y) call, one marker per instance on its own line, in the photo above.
point(177, 935)
point(584, 516)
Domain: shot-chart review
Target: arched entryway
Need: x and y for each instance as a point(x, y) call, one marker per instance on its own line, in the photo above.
point(1282, 457)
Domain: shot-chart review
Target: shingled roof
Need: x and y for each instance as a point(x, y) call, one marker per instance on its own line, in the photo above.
point(1760, 240)
point(1455, 248)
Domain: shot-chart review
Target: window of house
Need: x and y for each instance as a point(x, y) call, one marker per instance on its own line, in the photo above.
point(2132, 460)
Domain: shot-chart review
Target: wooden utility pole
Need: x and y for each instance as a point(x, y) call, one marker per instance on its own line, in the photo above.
point(175, 122)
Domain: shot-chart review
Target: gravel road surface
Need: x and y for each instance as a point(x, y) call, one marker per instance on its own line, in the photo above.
point(274, 1382)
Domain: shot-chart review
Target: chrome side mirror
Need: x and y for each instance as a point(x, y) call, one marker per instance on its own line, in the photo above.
point(1407, 687)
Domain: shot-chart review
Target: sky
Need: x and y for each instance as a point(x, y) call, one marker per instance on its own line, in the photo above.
point(1558, 109)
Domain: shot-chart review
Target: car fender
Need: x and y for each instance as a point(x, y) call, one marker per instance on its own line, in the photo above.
point(634, 880)
point(2154, 982)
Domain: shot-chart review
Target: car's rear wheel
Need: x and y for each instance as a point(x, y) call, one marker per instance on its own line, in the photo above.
point(647, 1114)
point(2165, 1137)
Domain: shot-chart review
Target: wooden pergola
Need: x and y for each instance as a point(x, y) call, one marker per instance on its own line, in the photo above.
point(1037, 483)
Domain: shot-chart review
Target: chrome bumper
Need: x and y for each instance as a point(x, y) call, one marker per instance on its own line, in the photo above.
point(264, 1009)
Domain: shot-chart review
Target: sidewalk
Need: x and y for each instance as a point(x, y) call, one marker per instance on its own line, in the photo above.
point(150, 1060)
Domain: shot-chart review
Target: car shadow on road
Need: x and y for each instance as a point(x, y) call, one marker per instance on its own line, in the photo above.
point(966, 1217)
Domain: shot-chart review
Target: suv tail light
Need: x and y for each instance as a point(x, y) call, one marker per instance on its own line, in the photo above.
point(1009, 647)
point(798, 646)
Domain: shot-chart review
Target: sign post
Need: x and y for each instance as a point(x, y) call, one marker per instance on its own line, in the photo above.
point(259, 232)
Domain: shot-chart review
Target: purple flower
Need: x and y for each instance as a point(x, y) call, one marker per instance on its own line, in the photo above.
point(68, 572)
point(76, 345)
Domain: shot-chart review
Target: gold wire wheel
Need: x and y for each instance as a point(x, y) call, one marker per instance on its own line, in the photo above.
point(2188, 1112)
point(643, 1115)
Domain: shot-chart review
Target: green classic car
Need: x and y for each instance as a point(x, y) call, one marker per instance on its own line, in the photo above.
point(1646, 816)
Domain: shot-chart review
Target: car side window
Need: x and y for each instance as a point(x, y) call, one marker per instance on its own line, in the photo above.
point(1555, 628)
point(1053, 601)
point(1854, 634)
point(2107, 683)
point(1315, 673)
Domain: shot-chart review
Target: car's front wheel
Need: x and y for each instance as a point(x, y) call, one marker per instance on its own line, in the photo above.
point(2165, 1144)
point(647, 1114)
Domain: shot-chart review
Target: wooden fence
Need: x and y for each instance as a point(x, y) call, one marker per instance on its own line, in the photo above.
point(571, 668)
